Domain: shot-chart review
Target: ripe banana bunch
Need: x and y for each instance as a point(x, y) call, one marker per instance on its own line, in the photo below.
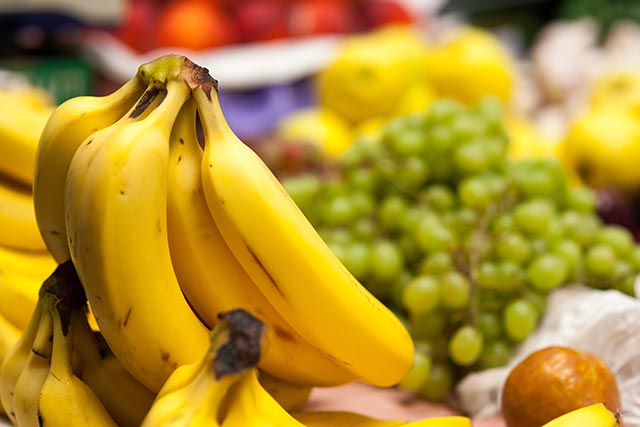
point(595, 415)
point(60, 373)
point(166, 235)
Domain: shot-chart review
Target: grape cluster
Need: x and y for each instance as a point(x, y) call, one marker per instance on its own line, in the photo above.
point(463, 243)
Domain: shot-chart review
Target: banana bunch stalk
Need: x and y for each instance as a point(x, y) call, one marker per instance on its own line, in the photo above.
point(168, 230)
point(59, 373)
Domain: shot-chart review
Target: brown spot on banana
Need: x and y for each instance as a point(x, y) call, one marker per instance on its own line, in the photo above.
point(126, 317)
point(145, 100)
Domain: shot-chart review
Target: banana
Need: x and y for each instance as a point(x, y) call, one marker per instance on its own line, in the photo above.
point(17, 216)
point(68, 126)
point(38, 265)
point(14, 363)
point(342, 419)
point(21, 124)
point(292, 397)
point(27, 389)
point(124, 397)
point(596, 415)
point(64, 399)
point(9, 336)
point(288, 260)
point(117, 235)
point(196, 394)
point(213, 280)
point(18, 296)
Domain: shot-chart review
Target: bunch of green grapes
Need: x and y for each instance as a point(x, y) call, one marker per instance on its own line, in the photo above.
point(462, 243)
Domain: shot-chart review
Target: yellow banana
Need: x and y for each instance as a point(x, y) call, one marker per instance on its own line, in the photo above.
point(196, 394)
point(21, 124)
point(64, 399)
point(35, 372)
point(288, 260)
point(292, 397)
point(124, 397)
point(18, 296)
point(213, 280)
point(116, 222)
point(19, 228)
point(9, 336)
point(38, 265)
point(596, 415)
point(14, 363)
point(69, 125)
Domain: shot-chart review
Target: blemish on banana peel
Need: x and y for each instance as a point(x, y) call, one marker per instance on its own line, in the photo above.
point(243, 341)
point(145, 100)
point(283, 334)
point(40, 421)
point(126, 318)
point(262, 267)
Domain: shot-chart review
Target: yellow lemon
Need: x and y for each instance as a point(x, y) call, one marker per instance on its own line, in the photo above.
point(603, 147)
point(469, 65)
point(620, 88)
point(320, 127)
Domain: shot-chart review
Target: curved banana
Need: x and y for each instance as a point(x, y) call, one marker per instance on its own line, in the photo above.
point(27, 389)
point(196, 394)
point(69, 125)
point(18, 296)
point(9, 336)
point(38, 265)
point(116, 222)
point(64, 400)
point(213, 280)
point(21, 124)
point(14, 363)
point(289, 261)
point(19, 228)
point(292, 397)
point(596, 415)
point(124, 397)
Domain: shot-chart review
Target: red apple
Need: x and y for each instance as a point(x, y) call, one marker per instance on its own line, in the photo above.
point(195, 25)
point(137, 24)
point(383, 12)
point(261, 20)
point(313, 17)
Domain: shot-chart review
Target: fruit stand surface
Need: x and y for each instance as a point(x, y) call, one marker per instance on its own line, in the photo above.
point(384, 403)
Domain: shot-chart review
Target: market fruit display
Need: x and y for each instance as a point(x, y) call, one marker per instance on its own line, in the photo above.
point(461, 241)
point(177, 272)
point(553, 381)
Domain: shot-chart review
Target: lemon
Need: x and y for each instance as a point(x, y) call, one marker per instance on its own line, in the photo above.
point(619, 88)
point(371, 74)
point(603, 146)
point(469, 65)
point(319, 127)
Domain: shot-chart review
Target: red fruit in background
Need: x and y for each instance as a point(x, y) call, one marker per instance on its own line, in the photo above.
point(195, 25)
point(383, 12)
point(261, 20)
point(313, 17)
point(137, 24)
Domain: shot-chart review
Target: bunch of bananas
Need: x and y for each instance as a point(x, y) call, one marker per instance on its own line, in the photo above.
point(24, 261)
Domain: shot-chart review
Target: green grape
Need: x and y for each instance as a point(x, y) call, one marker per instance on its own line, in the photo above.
point(466, 125)
point(547, 271)
point(411, 251)
point(539, 246)
point(412, 175)
point(439, 383)
point(417, 376)
point(438, 197)
point(617, 238)
point(600, 260)
point(365, 229)
point(437, 262)
point(514, 247)
point(405, 143)
point(441, 139)
point(509, 275)
point(581, 199)
point(362, 204)
point(538, 301)
point(486, 275)
point(490, 107)
point(360, 152)
point(303, 189)
point(495, 354)
point(570, 251)
point(489, 324)
point(396, 289)
point(387, 262)
point(433, 235)
point(626, 286)
point(533, 216)
point(582, 228)
point(338, 210)
point(427, 326)
point(442, 111)
point(363, 179)
point(455, 290)
point(539, 178)
point(519, 319)
point(465, 345)
point(622, 270)
point(502, 223)
point(555, 230)
point(356, 257)
point(634, 258)
point(475, 193)
point(473, 157)
point(421, 295)
point(392, 212)
point(464, 220)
